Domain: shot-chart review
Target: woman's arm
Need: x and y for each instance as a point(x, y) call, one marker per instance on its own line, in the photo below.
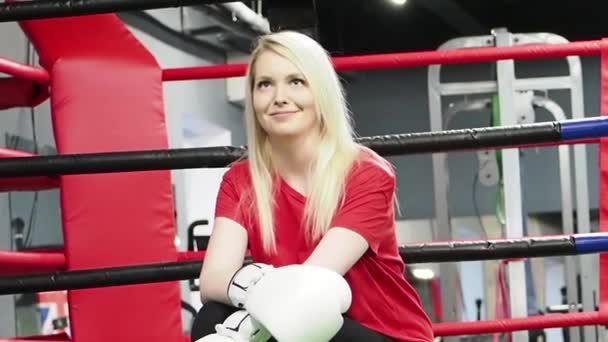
point(225, 255)
point(362, 223)
point(338, 250)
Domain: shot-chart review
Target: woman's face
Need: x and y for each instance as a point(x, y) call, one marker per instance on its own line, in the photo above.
point(282, 99)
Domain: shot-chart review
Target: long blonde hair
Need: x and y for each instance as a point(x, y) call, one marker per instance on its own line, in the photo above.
point(337, 149)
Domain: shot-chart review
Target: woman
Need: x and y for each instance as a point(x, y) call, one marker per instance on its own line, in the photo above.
point(309, 194)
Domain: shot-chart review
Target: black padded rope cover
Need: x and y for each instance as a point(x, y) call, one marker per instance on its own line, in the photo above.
point(101, 277)
point(71, 164)
point(464, 139)
point(488, 250)
point(42, 9)
point(215, 157)
point(184, 270)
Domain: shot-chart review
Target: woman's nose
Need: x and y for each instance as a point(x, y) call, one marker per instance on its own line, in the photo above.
point(280, 96)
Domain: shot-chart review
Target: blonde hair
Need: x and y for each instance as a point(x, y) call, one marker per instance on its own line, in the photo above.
point(337, 149)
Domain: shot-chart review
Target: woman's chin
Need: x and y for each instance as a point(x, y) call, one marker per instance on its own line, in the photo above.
point(283, 134)
point(289, 130)
point(286, 132)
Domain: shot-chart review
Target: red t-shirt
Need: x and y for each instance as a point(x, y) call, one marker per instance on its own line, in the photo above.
point(382, 299)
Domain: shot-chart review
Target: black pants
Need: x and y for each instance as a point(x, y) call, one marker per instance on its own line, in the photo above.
point(215, 313)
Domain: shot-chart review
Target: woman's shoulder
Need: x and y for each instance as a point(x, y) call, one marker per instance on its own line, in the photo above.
point(370, 163)
point(238, 170)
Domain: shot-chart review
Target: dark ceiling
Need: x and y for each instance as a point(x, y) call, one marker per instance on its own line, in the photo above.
point(348, 27)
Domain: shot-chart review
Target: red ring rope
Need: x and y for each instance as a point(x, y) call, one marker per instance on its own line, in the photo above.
point(27, 72)
point(25, 183)
point(27, 262)
point(9, 153)
point(514, 324)
point(467, 55)
point(28, 184)
point(493, 326)
point(45, 338)
point(522, 323)
point(34, 339)
point(409, 59)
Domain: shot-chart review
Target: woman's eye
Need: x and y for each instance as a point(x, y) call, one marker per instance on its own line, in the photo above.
point(297, 81)
point(263, 84)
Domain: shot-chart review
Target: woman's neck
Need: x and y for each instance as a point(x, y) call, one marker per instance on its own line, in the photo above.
point(293, 156)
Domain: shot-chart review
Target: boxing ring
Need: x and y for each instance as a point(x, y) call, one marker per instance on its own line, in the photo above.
point(104, 170)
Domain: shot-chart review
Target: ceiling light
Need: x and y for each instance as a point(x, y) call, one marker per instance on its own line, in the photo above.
point(423, 273)
point(399, 2)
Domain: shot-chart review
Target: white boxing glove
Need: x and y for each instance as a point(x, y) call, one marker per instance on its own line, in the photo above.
point(243, 280)
point(238, 327)
point(300, 303)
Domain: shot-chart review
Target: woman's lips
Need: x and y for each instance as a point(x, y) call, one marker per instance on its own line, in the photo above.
point(282, 114)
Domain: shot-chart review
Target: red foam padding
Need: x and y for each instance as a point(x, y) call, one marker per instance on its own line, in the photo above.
point(603, 161)
point(106, 95)
point(15, 92)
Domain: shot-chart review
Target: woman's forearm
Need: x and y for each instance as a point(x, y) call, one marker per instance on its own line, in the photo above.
point(214, 287)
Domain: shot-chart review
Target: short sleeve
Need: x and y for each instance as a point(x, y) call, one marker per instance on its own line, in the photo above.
point(367, 208)
point(229, 203)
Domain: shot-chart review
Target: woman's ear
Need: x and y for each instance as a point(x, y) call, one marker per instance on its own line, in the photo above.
point(322, 124)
